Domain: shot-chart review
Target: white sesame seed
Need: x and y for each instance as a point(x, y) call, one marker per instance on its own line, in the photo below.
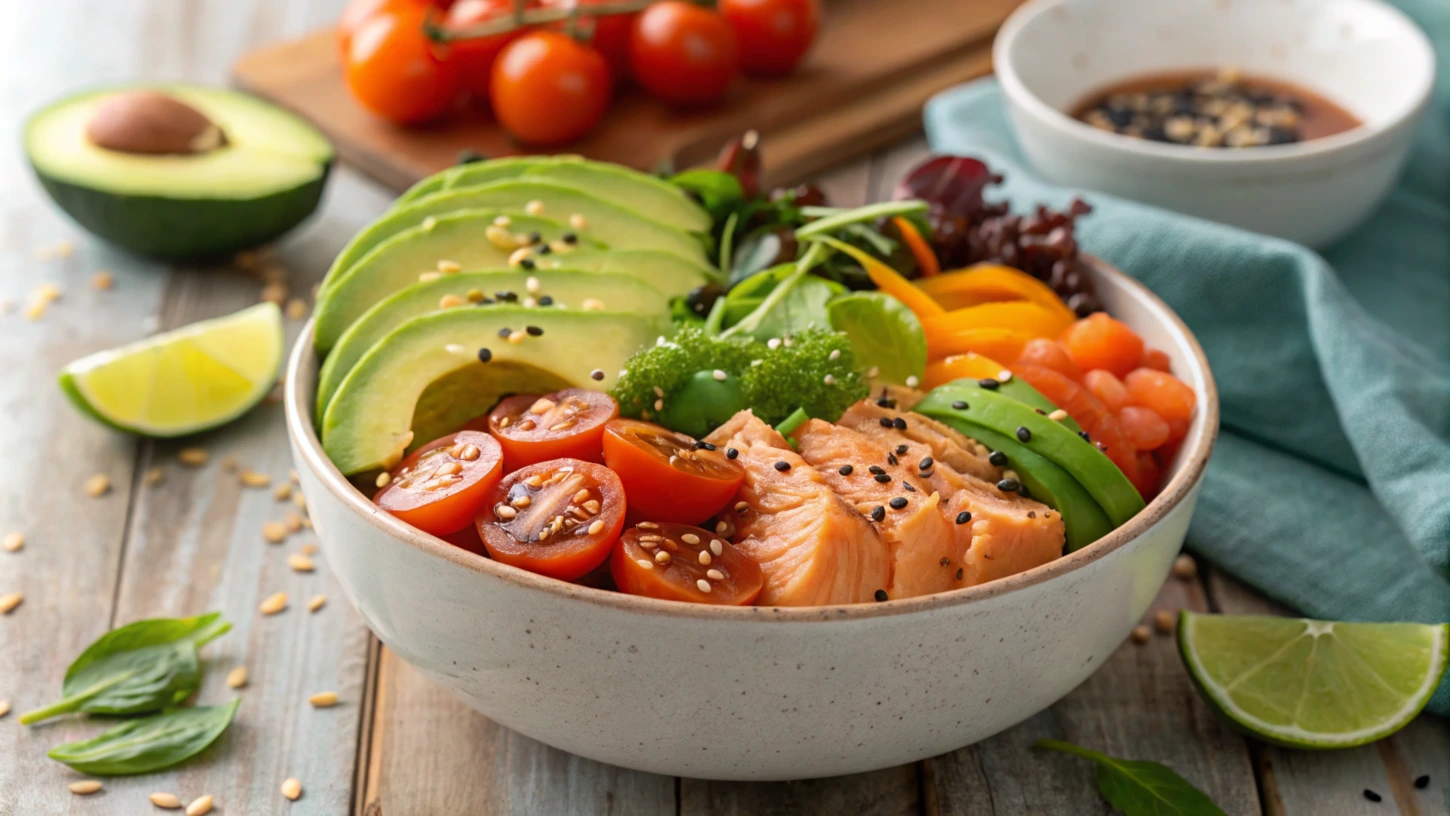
point(85, 787)
point(719, 375)
point(829, 379)
point(534, 207)
point(1004, 376)
point(292, 789)
point(703, 585)
point(645, 563)
point(596, 526)
point(773, 343)
point(519, 256)
point(502, 221)
point(647, 525)
point(690, 538)
point(835, 355)
point(578, 222)
point(169, 801)
point(518, 337)
point(448, 267)
point(429, 277)
point(200, 806)
point(663, 557)
point(705, 557)
point(659, 405)
point(1058, 415)
point(384, 479)
point(532, 285)
point(273, 604)
point(428, 223)
point(237, 678)
point(454, 348)
point(9, 601)
point(317, 602)
point(716, 546)
point(913, 381)
point(13, 542)
point(873, 371)
point(715, 575)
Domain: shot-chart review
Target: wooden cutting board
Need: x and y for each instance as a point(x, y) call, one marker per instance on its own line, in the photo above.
point(874, 64)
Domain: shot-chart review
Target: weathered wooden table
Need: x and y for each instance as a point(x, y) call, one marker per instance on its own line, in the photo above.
point(397, 746)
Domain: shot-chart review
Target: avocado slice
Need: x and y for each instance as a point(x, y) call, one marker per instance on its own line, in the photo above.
point(568, 288)
point(1083, 519)
point(502, 168)
point(397, 262)
point(254, 171)
point(1018, 389)
point(1049, 438)
point(664, 271)
point(425, 378)
point(615, 226)
point(651, 197)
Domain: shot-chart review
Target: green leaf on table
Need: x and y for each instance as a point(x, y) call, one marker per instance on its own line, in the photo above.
point(139, 668)
point(1141, 788)
point(148, 744)
point(884, 334)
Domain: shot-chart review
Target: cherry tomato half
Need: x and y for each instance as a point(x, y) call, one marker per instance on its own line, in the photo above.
point(678, 562)
point(610, 36)
point(475, 57)
point(548, 89)
point(683, 53)
point(565, 424)
point(395, 71)
point(667, 475)
point(440, 487)
point(773, 34)
point(556, 518)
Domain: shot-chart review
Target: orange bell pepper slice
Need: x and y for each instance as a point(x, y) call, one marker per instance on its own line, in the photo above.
point(926, 261)
point(887, 279)
point(969, 366)
point(995, 343)
point(1022, 316)
point(989, 283)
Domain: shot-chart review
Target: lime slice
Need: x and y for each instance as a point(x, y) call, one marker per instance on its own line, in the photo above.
point(1314, 684)
point(188, 380)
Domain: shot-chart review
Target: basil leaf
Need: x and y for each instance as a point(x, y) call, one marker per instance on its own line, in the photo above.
point(149, 744)
point(804, 306)
point(139, 668)
point(883, 332)
point(1141, 788)
point(718, 192)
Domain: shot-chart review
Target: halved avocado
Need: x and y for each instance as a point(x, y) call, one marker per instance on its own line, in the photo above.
point(178, 171)
point(611, 224)
point(426, 377)
point(616, 292)
point(398, 260)
point(1048, 438)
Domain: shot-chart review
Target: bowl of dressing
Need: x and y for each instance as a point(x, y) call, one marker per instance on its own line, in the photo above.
point(1291, 118)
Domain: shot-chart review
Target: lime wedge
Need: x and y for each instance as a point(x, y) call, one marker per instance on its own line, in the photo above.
point(188, 380)
point(1314, 684)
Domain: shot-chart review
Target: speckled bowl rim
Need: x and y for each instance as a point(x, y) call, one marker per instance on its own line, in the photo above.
point(1367, 133)
point(302, 368)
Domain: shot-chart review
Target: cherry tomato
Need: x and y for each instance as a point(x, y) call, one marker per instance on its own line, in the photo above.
point(474, 58)
point(564, 424)
point(557, 518)
point(358, 12)
point(678, 562)
point(610, 36)
point(683, 53)
point(773, 34)
point(395, 71)
point(440, 487)
point(548, 89)
point(667, 475)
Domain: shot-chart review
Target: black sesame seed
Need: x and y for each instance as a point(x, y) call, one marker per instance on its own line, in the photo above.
point(596, 375)
point(886, 422)
point(899, 424)
point(506, 297)
point(877, 469)
point(545, 249)
point(731, 453)
point(882, 478)
point(702, 445)
point(1008, 485)
point(1372, 796)
point(886, 403)
point(1422, 781)
point(901, 450)
point(526, 264)
point(1023, 434)
point(782, 466)
point(546, 300)
point(536, 331)
point(467, 156)
point(907, 487)
point(535, 237)
point(569, 238)
point(484, 355)
point(1084, 435)
point(960, 572)
point(845, 470)
point(898, 502)
point(959, 405)
point(505, 332)
point(486, 302)
point(989, 384)
point(925, 464)
point(881, 595)
point(964, 517)
point(1040, 411)
point(998, 458)
point(892, 460)
point(946, 562)
point(878, 513)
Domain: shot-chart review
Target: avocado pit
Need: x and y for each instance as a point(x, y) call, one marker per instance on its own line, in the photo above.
point(152, 123)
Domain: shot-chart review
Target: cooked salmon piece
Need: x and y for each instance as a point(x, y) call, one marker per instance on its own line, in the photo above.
point(1004, 533)
point(924, 552)
point(813, 547)
point(947, 444)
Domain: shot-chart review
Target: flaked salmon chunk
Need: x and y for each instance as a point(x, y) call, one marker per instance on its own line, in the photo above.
point(905, 508)
point(1005, 533)
point(813, 547)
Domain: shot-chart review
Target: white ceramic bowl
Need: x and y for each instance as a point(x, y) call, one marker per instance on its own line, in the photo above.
point(1365, 55)
point(756, 692)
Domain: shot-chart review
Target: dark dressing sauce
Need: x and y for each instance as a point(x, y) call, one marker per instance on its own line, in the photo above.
point(1214, 109)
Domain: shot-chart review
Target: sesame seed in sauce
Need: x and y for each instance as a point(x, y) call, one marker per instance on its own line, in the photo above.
point(845, 470)
point(878, 513)
point(880, 595)
point(898, 503)
point(960, 572)
point(703, 585)
point(782, 466)
point(901, 450)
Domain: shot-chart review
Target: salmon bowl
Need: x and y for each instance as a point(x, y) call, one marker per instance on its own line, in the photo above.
point(756, 692)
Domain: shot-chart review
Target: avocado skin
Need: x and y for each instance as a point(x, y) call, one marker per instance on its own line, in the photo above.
point(185, 229)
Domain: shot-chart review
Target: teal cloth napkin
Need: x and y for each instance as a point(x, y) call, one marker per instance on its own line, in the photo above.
point(1329, 489)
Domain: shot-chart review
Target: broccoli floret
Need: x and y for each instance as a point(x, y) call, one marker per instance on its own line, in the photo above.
point(803, 371)
point(670, 364)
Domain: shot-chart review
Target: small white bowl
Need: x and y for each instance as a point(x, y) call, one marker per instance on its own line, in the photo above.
point(1365, 55)
point(755, 692)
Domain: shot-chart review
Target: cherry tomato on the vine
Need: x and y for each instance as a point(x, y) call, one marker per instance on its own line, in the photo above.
point(475, 57)
point(396, 71)
point(683, 53)
point(548, 89)
point(773, 34)
point(358, 12)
